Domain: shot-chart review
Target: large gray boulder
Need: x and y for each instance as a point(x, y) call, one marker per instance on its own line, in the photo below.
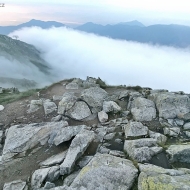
point(135, 129)
point(94, 96)
point(35, 105)
point(102, 116)
point(111, 106)
point(186, 126)
point(49, 107)
point(160, 139)
point(79, 111)
point(67, 102)
point(154, 177)
point(21, 138)
point(171, 105)
point(172, 132)
point(179, 153)
point(77, 148)
point(143, 109)
point(106, 172)
point(1, 107)
point(142, 150)
point(16, 185)
point(72, 86)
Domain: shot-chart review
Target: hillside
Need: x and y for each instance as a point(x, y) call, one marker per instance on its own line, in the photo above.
point(84, 134)
point(169, 35)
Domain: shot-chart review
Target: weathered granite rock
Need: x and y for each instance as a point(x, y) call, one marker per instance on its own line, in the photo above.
point(154, 177)
point(94, 96)
point(49, 107)
point(56, 118)
point(35, 105)
point(142, 150)
point(187, 133)
point(72, 86)
point(55, 159)
point(179, 153)
point(57, 98)
point(65, 134)
point(67, 102)
point(109, 136)
point(16, 185)
point(49, 185)
point(102, 116)
point(135, 129)
point(69, 179)
point(85, 161)
point(106, 172)
point(21, 138)
point(1, 107)
point(78, 146)
point(79, 111)
point(187, 126)
point(111, 106)
point(171, 105)
point(160, 139)
point(172, 132)
point(53, 173)
point(143, 109)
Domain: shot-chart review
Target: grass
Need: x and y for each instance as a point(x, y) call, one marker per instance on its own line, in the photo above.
point(6, 98)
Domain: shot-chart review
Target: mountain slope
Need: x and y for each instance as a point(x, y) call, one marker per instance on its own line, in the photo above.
point(48, 24)
point(169, 35)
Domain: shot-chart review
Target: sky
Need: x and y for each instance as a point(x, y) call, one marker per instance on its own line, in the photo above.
point(76, 12)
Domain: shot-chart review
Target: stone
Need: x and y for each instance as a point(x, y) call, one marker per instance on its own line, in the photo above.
point(102, 116)
point(111, 106)
point(35, 105)
point(79, 111)
point(77, 148)
point(186, 126)
point(179, 122)
point(143, 109)
point(187, 133)
point(160, 139)
point(66, 133)
point(55, 159)
point(85, 160)
point(21, 138)
point(2, 107)
point(106, 172)
point(56, 118)
point(154, 177)
point(57, 98)
point(100, 133)
point(124, 94)
point(49, 185)
point(16, 185)
point(67, 102)
point(117, 153)
point(69, 179)
point(135, 129)
point(49, 107)
point(172, 132)
point(171, 105)
point(142, 150)
point(72, 86)
point(109, 136)
point(94, 96)
point(179, 153)
point(53, 174)
point(103, 150)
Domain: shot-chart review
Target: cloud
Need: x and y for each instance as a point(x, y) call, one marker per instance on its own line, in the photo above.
point(77, 54)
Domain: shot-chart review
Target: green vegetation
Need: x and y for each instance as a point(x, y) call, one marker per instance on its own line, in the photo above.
point(6, 98)
point(136, 88)
point(101, 83)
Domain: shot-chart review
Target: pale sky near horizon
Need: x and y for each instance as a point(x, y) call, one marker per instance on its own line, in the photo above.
point(76, 12)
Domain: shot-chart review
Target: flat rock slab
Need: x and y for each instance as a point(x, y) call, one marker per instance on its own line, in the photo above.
point(16, 185)
point(78, 146)
point(106, 172)
point(179, 153)
point(21, 138)
point(154, 177)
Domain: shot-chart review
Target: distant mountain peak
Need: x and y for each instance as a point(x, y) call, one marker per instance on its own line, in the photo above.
point(132, 23)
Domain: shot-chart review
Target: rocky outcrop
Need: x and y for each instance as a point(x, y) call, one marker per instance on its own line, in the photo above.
point(16, 185)
point(106, 172)
point(76, 149)
point(72, 86)
point(111, 106)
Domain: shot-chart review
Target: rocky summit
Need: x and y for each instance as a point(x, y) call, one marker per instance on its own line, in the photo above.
point(85, 135)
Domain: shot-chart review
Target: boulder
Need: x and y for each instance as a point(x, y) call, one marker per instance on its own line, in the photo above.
point(154, 177)
point(135, 129)
point(85, 161)
point(106, 172)
point(94, 96)
point(102, 116)
point(143, 109)
point(21, 138)
point(49, 107)
point(109, 136)
point(35, 105)
point(111, 106)
point(77, 148)
point(57, 98)
point(67, 102)
point(172, 132)
point(186, 126)
point(72, 86)
point(179, 153)
point(160, 139)
point(56, 118)
point(79, 111)
point(142, 150)
point(16, 185)
point(1, 107)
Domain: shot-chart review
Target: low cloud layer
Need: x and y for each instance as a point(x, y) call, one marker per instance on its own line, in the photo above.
point(76, 54)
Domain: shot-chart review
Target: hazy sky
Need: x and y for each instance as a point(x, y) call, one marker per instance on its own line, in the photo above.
point(76, 12)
